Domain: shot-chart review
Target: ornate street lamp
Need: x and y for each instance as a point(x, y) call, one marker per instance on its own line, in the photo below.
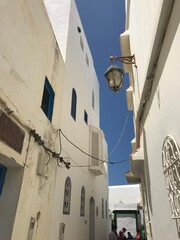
point(115, 75)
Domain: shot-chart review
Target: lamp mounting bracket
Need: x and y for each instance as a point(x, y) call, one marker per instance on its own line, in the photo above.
point(124, 59)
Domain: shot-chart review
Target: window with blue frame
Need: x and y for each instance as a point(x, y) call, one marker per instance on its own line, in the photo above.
point(73, 104)
point(47, 100)
point(3, 171)
point(85, 117)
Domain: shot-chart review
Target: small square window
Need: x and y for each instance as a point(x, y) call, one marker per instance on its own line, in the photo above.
point(79, 29)
point(85, 117)
point(81, 43)
point(47, 100)
point(87, 59)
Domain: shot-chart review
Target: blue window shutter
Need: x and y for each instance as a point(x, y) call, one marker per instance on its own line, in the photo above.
point(85, 117)
point(3, 171)
point(48, 100)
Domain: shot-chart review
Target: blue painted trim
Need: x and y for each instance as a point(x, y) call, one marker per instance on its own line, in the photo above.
point(3, 171)
point(51, 99)
point(85, 117)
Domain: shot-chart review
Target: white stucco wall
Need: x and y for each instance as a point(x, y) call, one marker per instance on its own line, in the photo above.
point(17, 71)
point(26, 57)
point(83, 79)
point(161, 116)
point(59, 11)
point(28, 53)
point(142, 38)
point(165, 109)
point(124, 197)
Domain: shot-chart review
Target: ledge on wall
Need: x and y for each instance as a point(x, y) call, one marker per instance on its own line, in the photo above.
point(96, 170)
point(125, 49)
point(132, 179)
point(137, 161)
point(129, 98)
point(96, 150)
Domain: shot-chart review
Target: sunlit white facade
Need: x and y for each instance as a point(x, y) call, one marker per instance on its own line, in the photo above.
point(153, 35)
point(125, 207)
point(46, 87)
point(80, 126)
point(31, 74)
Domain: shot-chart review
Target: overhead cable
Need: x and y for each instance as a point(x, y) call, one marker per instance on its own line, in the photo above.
point(98, 159)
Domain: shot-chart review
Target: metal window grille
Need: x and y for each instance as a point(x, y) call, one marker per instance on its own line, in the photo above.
point(67, 196)
point(82, 209)
point(171, 170)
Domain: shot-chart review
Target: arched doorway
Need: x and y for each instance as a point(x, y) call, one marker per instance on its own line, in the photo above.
point(91, 219)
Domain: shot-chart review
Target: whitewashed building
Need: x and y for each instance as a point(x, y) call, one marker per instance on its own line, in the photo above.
point(125, 207)
point(153, 35)
point(81, 201)
point(41, 92)
point(31, 89)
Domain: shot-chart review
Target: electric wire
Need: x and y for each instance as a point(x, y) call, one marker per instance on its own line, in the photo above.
point(48, 159)
point(98, 159)
point(120, 137)
point(55, 155)
point(101, 160)
point(60, 160)
point(77, 165)
point(80, 148)
point(125, 160)
point(60, 145)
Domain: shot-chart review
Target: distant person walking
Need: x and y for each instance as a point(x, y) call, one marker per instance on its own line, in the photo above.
point(143, 235)
point(113, 234)
point(129, 236)
point(138, 235)
point(121, 235)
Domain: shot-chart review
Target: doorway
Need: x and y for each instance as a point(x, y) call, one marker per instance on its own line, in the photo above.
point(92, 219)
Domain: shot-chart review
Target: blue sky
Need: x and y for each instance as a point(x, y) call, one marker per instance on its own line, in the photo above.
point(103, 21)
